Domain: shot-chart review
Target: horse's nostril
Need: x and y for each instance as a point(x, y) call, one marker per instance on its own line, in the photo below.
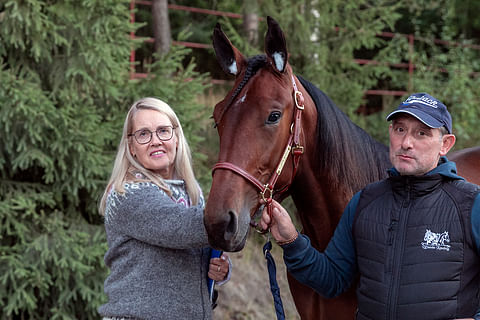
point(232, 226)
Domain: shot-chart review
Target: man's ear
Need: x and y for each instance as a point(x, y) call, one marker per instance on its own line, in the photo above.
point(448, 140)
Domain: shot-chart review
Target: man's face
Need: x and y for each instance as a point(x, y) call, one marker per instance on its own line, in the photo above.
point(416, 148)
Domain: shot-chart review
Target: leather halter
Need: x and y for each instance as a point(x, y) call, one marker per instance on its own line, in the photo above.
point(293, 146)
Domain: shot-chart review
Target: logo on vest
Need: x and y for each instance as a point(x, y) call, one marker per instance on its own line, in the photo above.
point(437, 241)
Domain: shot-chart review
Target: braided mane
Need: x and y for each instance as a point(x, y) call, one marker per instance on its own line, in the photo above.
point(254, 64)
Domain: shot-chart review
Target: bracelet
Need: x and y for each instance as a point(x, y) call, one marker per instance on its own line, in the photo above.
point(293, 238)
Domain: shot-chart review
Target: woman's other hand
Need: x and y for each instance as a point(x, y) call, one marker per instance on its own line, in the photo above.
point(218, 268)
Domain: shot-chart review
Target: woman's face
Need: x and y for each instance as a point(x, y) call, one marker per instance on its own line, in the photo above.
point(157, 155)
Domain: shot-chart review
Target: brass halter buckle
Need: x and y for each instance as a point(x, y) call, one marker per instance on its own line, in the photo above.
point(263, 193)
point(297, 150)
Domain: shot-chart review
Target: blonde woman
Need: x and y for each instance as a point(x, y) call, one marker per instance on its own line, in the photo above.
point(158, 251)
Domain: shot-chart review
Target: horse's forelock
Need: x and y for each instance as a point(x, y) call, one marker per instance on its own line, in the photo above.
point(254, 64)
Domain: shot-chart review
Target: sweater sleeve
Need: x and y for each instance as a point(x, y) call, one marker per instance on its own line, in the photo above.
point(147, 214)
point(332, 272)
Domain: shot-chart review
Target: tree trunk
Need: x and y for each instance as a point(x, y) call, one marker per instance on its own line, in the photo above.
point(161, 26)
point(250, 21)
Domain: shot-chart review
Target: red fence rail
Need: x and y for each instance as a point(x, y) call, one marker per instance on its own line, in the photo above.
point(408, 66)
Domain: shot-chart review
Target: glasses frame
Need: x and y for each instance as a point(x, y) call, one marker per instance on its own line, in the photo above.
point(151, 134)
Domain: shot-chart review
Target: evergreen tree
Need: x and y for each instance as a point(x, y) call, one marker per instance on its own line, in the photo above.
point(64, 96)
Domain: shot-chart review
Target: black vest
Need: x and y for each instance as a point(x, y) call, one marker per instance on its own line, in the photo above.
point(415, 251)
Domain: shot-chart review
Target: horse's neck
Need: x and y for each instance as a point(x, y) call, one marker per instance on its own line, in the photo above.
point(318, 207)
point(319, 203)
point(341, 151)
point(332, 171)
point(321, 195)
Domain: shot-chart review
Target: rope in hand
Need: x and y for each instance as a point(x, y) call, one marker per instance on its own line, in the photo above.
point(272, 271)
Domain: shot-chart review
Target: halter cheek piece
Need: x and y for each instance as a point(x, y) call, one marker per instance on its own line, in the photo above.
point(293, 147)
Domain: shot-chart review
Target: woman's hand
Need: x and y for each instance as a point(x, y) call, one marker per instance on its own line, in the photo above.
point(218, 268)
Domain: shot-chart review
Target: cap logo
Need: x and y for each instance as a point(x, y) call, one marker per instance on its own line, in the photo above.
point(423, 100)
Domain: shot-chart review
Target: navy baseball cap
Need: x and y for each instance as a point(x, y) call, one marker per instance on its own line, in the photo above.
point(427, 109)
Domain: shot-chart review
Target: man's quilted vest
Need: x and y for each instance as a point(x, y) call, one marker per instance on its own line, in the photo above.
point(416, 255)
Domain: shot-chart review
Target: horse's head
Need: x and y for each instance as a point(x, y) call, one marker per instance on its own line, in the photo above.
point(254, 123)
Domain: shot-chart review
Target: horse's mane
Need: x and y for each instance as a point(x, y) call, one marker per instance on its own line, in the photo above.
point(344, 150)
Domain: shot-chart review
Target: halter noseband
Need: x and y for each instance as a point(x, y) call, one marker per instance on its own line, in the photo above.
point(293, 146)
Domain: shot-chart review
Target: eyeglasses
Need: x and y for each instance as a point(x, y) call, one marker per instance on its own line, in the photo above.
point(144, 136)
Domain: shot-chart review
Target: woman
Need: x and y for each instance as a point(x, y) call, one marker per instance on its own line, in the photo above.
point(158, 249)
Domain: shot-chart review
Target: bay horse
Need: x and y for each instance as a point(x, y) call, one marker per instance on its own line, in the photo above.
point(281, 135)
point(468, 163)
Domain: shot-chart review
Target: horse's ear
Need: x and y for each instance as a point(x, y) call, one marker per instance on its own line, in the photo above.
point(275, 45)
point(230, 58)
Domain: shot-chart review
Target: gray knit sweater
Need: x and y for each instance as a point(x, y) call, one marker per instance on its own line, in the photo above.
point(158, 254)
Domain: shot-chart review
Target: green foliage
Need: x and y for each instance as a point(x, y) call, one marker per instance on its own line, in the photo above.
point(51, 267)
point(64, 69)
point(62, 65)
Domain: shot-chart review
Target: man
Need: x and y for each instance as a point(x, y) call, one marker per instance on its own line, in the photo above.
point(412, 240)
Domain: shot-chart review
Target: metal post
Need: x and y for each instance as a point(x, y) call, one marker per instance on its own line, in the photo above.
point(411, 40)
point(132, 36)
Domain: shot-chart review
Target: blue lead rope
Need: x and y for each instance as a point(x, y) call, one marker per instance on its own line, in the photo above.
point(272, 275)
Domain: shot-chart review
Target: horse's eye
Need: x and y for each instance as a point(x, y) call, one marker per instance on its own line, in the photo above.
point(274, 117)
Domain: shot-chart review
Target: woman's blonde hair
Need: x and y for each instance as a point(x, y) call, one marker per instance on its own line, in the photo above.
point(125, 162)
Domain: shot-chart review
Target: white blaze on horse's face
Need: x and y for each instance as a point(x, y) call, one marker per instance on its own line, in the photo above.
point(279, 60)
point(233, 68)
